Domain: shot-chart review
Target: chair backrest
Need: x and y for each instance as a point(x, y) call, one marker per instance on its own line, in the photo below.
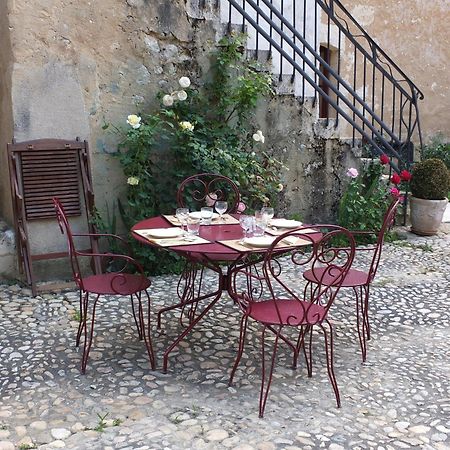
point(278, 278)
point(64, 225)
point(205, 189)
point(388, 221)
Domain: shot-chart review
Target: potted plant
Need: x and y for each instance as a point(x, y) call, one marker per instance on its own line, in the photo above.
point(430, 185)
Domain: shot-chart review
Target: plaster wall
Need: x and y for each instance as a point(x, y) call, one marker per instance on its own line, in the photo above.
point(416, 35)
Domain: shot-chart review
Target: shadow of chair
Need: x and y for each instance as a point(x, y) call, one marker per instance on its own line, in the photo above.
point(116, 283)
point(361, 280)
point(271, 296)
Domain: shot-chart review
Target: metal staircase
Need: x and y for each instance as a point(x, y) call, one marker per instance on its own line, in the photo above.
point(329, 58)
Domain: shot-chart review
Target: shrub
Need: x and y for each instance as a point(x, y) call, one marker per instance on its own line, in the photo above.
point(438, 149)
point(430, 180)
point(199, 127)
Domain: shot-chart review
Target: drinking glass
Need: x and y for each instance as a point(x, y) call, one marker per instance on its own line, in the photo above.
point(193, 227)
point(207, 213)
point(182, 215)
point(221, 207)
point(246, 223)
point(261, 221)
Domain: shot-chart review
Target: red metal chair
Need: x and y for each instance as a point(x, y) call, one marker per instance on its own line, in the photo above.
point(199, 190)
point(360, 280)
point(205, 189)
point(112, 283)
point(271, 297)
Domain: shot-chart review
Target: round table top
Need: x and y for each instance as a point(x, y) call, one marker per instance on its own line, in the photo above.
point(213, 233)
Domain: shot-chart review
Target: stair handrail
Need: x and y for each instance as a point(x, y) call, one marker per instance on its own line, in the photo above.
point(330, 100)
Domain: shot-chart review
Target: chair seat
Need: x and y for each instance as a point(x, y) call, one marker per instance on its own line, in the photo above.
point(353, 278)
point(115, 283)
point(291, 312)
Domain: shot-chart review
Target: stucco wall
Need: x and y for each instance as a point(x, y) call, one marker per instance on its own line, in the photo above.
point(416, 35)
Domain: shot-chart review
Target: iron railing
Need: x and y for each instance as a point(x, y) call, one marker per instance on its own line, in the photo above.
point(327, 55)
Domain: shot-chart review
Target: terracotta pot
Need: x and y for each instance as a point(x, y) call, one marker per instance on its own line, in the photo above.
point(426, 215)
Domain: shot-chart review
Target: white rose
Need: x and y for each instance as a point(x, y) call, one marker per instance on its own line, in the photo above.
point(167, 100)
point(259, 137)
point(133, 181)
point(182, 95)
point(187, 126)
point(134, 121)
point(184, 82)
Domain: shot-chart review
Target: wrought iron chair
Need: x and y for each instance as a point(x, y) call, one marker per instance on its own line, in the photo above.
point(272, 297)
point(360, 280)
point(205, 189)
point(111, 283)
point(199, 190)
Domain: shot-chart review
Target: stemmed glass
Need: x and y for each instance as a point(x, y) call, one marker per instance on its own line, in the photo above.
point(246, 223)
point(182, 215)
point(221, 208)
point(268, 212)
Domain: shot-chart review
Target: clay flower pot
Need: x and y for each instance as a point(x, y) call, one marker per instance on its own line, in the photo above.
point(426, 215)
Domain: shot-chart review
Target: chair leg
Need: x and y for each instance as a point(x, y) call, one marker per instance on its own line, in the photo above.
point(366, 310)
point(88, 335)
point(242, 334)
point(136, 321)
point(329, 355)
point(360, 321)
point(82, 315)
point(301, 345)
point(147, 336)
point(266, 386)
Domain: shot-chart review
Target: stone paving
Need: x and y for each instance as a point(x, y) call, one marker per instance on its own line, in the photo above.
point(398, 399)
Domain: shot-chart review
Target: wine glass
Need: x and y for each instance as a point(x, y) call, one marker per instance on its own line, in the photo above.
point(182, 215)
point(246, 223)
point(221, 208)
point(268, 212)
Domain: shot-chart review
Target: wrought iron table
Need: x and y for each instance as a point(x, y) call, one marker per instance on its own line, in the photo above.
point(213, 255)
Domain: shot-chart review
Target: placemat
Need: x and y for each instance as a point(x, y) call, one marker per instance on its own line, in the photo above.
point(227, 220)
point(280, 231)
point(172, 242)
point(236, 245)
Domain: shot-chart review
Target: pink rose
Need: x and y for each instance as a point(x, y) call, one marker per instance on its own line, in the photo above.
point(352, 172)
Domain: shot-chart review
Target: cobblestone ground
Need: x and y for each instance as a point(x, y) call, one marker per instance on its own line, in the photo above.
point(399, 399)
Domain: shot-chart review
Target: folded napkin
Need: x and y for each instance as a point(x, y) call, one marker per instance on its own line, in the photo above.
point(279, 231)
point(289, 242)
point(172, 242)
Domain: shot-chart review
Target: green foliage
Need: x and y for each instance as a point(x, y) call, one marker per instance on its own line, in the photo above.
point(208, 128)
point(365, 201)
point(430, 180)
point(438, 149)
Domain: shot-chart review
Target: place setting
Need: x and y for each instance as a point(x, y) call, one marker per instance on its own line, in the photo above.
point(206, 215)
point(261, 230)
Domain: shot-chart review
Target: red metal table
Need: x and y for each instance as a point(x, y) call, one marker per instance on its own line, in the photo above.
point(212, 255)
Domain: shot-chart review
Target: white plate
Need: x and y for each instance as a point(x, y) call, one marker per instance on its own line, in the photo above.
point(198, 215)
point(259, 241)
point(163, 233)
point(285, 223)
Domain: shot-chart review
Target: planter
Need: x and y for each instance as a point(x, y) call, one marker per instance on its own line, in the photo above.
point(426, 215)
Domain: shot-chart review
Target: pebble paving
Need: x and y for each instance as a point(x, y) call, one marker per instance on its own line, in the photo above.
point(399, 398)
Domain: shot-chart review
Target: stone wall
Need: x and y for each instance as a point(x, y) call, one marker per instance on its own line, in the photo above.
point(81, 65)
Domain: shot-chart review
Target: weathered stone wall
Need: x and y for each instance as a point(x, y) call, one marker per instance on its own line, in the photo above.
point(80, 65)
